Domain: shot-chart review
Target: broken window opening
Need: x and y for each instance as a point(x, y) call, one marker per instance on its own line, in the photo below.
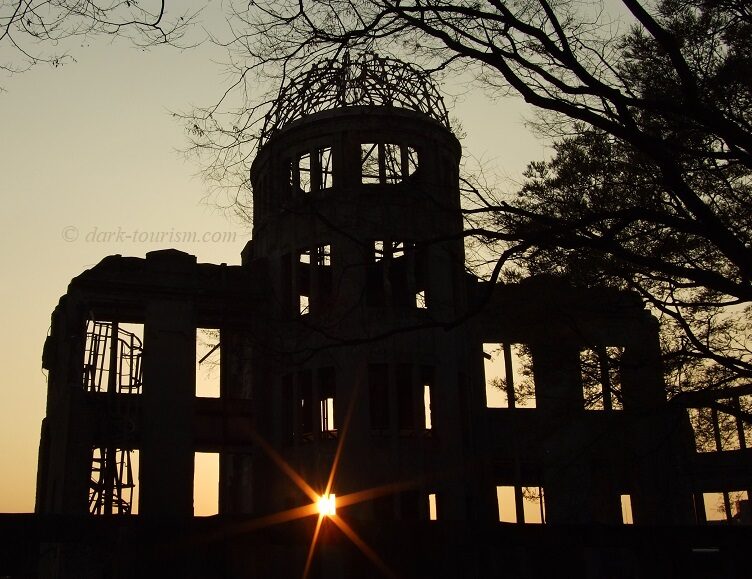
point(112, 486)
point(386, 163)
point(508, 376)
point(113, 346)
point(303, 280)
point(392, 163)
point(717, 431)
point(323, 255)
point(427, 381)
point(325, 168)
point(314, 278)
point(391, 276)
point(205, 484)
point(626, 510)
point(208, 358)
point(387, 249)
point(521, 504)
point(601, 380)
point(506, 503)
point(730, 507)
point(324, 280)
point(369, 164)
point(312, 171)
point(410, 161)
point(304, 173)
point(327, 395)
point(327, 416)
point(420, 300)
point(378, 250)
point(432, 513)
point(534, 505)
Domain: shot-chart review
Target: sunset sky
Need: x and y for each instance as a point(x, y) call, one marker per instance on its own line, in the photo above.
point(91, 148)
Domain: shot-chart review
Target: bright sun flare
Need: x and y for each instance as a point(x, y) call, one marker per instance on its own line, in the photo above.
point(327, 505)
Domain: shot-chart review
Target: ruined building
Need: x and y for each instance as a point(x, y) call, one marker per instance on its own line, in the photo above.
point(353, 340)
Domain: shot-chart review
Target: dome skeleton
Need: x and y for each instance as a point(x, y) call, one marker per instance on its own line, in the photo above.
point(364, 80)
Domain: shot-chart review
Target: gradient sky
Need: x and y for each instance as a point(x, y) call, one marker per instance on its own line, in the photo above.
point(91, 148)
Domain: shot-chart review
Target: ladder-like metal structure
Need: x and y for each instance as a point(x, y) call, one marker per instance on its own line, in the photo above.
point(112, 365)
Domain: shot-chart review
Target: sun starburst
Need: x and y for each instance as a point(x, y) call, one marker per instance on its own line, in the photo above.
point(324, 504)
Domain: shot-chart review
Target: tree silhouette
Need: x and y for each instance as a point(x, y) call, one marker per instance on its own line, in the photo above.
point(34, 32)
point(650, 185)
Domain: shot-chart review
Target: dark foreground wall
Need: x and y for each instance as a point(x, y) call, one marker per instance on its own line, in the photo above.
point(85, 547)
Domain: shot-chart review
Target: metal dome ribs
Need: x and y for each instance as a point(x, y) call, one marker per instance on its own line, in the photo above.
point(365, 80)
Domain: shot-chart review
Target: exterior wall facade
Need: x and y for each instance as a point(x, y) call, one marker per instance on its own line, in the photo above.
point(352, 340)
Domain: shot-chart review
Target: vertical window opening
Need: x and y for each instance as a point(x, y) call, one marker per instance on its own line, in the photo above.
point(508, 376)
point(327, 415)
point(411, 165)
point(304, 173)
point(205, 484)
point(327, 394)
point(427, 424)
point(427, 381)
point(304, 281)
point(392, 281)
point(325, 282)
point(420, 300)
point(626, 510)
point(112, 487)
point(112, 357)
point(325, 168)
point(420, 278)
point(392, 163)
point(717, 431)
point(506, 504)
point(432, 514)
point(534, 505)
point(369, 163)
point(130, 350)
point(727, 507)
point(387, 163)
point(521, 504)
point(379, 249)
point(323, 255)
point(601, 380)
point(208, 358)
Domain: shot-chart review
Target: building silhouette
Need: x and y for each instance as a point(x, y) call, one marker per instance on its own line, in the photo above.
point(353, 339)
